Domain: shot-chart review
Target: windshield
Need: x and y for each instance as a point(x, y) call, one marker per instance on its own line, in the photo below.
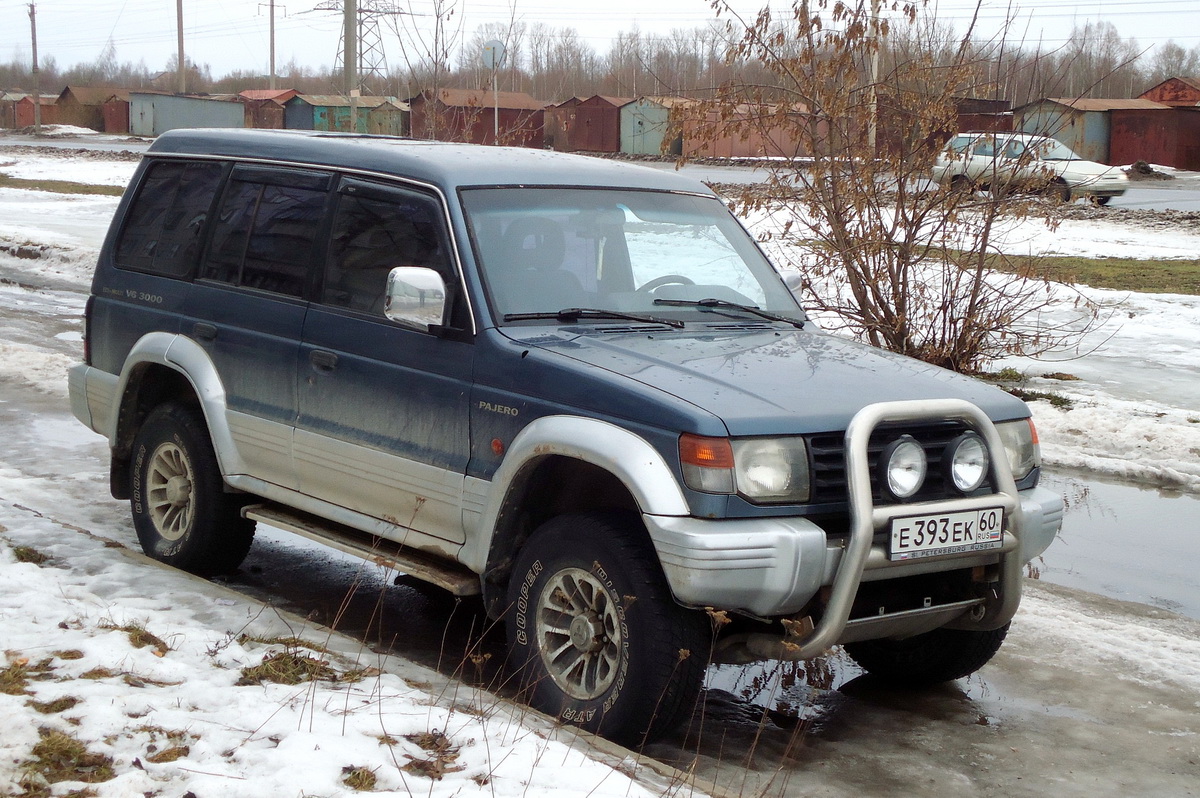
point(1051, 150)
point(543, 250)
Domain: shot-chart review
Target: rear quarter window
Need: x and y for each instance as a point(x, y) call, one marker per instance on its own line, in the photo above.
point(265, 233)
point(164, 227)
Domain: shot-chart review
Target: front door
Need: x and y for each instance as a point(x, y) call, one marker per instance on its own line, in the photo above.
point(382, 425)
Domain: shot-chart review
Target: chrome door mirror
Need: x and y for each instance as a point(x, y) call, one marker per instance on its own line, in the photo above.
point(415, 297)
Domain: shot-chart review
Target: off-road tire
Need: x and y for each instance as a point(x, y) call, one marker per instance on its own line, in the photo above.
point(181, 511)
point(588, 588)
point(927, 659)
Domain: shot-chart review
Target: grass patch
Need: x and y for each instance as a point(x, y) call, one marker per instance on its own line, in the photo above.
point(443, 755)
point(287, 667)
point(169, 754)
point(60, 757)
point(1061, 402)
point(139, 637)
point(29, 554)
point(55, 706)
point(60, 186)
point(286, 642)
point(1119, 274)
point(15, 679)
point(359, 778)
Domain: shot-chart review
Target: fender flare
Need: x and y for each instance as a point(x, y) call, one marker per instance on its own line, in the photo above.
point(185, 357)
point(627, 456)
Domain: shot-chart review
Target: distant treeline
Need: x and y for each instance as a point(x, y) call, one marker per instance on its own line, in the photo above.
point(554, 64)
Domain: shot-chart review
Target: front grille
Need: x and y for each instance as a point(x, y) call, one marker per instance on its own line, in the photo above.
point(829, 460)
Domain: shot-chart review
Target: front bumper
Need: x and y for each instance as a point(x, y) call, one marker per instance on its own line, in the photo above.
point(771, 567)
point(774, 567)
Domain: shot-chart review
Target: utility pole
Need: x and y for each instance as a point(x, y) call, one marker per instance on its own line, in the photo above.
point(350, 47)
point(182, 60)
point(350, 43)
point(272, 83)
point(37, 92)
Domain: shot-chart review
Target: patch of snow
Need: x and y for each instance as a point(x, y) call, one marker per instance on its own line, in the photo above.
point(72, 615)
point(44, 370)
point(74, 170)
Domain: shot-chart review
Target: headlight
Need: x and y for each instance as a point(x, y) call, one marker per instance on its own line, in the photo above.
point(762, 470)
point(1021, 444)
point(772, 470)
point(902, 467)
point(965, 463)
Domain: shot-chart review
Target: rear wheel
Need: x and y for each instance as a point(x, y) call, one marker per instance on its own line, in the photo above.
point(1059, 190)
point(181, 512)
point(599, 641)
point(1102, 200)
point(922, 660)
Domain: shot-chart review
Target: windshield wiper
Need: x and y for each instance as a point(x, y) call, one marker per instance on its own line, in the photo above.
point(722, 303)
point(574, 314)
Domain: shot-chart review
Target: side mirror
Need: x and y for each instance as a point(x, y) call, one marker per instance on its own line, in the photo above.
point(415, 297)
point(794, 283)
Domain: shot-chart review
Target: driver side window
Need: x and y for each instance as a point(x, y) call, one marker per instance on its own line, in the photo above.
point(376, 229)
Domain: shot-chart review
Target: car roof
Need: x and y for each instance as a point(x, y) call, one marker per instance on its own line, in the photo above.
point(448, 165)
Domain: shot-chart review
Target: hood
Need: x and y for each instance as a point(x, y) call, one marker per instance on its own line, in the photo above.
point(768, 381)
point(1082, 171)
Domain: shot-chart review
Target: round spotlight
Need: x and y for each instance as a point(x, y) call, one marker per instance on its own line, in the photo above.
point(966, 462)
point(903, 467)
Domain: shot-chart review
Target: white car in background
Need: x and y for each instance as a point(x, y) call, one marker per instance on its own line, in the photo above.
point(1021, 161)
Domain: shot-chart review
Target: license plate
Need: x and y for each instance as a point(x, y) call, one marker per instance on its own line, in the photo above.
point(950, 533)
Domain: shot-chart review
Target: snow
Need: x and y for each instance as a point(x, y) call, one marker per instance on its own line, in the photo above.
point(1136, 415)
point(69, 619)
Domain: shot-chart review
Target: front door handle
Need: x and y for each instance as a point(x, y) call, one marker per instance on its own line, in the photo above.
point(323, 360)
point(203, 331)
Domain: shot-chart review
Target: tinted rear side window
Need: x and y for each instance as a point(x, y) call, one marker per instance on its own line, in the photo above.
point(265, 231)
point(165, 224)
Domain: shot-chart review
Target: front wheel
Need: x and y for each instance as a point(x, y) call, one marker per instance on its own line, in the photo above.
point(181, 512)
point(926, 659)
point(599, 641)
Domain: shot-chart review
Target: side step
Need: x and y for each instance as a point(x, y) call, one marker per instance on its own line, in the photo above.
point(450, 576)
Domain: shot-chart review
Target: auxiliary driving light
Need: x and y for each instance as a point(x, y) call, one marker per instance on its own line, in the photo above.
point(966, 462)
point(903, 467)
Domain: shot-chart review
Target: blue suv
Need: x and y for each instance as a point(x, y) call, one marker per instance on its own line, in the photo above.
point(573, 387)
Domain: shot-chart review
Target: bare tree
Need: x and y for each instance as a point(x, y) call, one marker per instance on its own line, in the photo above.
point(905, 265)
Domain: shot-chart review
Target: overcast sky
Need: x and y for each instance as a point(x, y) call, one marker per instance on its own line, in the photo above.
point(233, 34)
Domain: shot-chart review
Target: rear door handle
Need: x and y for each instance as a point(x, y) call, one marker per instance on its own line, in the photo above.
point(323, 360)
point(204, 331)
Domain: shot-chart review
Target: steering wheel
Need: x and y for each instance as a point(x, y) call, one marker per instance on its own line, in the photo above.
point(666, 279)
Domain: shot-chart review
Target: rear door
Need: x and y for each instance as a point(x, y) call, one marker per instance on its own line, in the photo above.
point(248, 304)
point(382, 426)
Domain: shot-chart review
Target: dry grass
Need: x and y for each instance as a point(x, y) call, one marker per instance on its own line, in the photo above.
point(60, 186)
point(29, 554)
point(55, 706)
point(288, 667)
point(60, 757)
point(169, 754)
point(139, 637)
point(359, 778)
point(444, 753)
